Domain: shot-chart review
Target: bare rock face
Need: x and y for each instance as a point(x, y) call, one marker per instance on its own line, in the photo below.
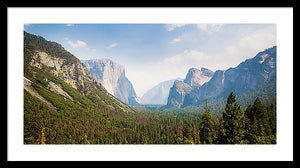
point(112, 76)
point(33, 92)
point(57, 89)
point(74, 74)
point(196, 77)
point(177, 93)
point(186, 91)
point(106, 72)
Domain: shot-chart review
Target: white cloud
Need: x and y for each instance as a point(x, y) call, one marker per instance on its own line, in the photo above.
point(210, 28)
point(171, 27)
point(77, 44)
point(250, 45)
point(175, 40)
point(69, 24)
point(262, 38)
point(112, 45)
point(188, 57)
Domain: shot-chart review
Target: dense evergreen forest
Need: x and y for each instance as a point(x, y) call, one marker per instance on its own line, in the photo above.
point(255, 125)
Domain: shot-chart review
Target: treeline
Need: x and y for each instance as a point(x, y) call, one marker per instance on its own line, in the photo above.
point(255, 125)
point(33, 42)
point(266, 92)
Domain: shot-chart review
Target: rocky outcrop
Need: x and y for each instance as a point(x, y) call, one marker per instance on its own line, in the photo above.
point(57, 89)
point(112, 77)
point(74, 74)
point(27, 86)
point(196, 77)
point(177, 93)
point(182, 89)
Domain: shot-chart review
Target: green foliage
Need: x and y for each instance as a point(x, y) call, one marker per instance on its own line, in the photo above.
point(76, 123)
point(207, 127)
point(265, 92)
point(232, 123)
point(52, 48)
point(261, 123)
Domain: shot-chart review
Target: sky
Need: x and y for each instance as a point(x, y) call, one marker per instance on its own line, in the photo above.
point(153, 53)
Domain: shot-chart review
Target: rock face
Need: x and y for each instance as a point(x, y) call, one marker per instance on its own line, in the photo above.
point(74, 74)
point(246, 76)
point(28, 87)
point(194, 79)
point(159, 93)
point(112, 76)
point(177, 93)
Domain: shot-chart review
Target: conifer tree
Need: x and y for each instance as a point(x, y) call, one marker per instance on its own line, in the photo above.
point(272, 117)
point(258, 125)
point(206, 130)
point(232, 123)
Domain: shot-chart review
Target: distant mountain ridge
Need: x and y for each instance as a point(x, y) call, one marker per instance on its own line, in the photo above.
point(112, 76)
point(246, 76)
point(159, 94)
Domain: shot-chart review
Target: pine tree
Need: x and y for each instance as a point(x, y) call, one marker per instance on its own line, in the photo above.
point(272, 117)
point(206, 128)
point(258, 125)
point(232, 123)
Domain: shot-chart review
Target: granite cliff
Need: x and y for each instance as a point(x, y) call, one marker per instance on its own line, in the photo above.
point(180, 89)
point(112, 77)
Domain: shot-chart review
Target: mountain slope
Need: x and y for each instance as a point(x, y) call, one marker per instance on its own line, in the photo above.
point(247, 76)
point(112, 77)
point(61, 96)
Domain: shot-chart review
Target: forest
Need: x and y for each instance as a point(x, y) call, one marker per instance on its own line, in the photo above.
point(255, 125)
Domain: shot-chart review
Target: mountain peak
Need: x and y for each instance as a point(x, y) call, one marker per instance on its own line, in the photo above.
point(196, 77)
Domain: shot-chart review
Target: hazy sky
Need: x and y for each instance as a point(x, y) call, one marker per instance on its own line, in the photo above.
point(152, 53)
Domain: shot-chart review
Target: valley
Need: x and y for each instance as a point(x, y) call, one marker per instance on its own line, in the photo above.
point(73, 101)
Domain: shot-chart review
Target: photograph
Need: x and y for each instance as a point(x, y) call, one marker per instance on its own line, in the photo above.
point(150, 84)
